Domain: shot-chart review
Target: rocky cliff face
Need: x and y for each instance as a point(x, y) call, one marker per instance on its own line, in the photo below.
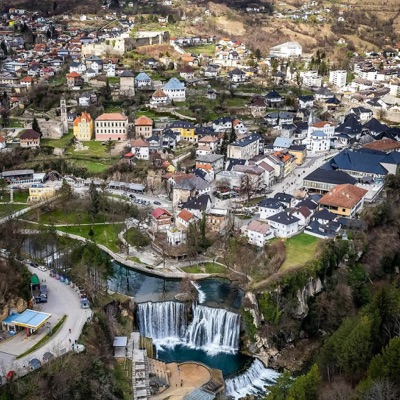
point(313, 287)
point(16, 304)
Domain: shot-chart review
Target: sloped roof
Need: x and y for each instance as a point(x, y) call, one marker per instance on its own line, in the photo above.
point(139, 143)
point(350, 126)
point(112, 117)
point(158, 212)
point(283, 218)
point(258, 226)
point(185, 215)
point(174, 84)
point(142, 76)
point(30, 134)
point(346, 196)
point(143, 120)
point(335, 177)
point(383, 145)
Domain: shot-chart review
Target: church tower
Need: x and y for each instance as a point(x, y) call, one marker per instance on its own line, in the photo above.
point(64, 117)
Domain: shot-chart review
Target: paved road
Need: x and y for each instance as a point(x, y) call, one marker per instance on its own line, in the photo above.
point(63, 300)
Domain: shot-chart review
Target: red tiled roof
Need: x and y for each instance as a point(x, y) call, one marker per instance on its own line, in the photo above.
point(383, 145)
point(143, 120)
point(346, 196)
point(139, 143)
point(185, 215)
point(112, 117)
point(158, 212)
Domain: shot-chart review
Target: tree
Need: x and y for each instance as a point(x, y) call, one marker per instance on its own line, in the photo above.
point(66, 192)
point(35, 126)
point(109, 147)
point(382, 390)
point(4, 48)
point(94, 200)
point(306, 386)
point(257, 54)
point(250, 185)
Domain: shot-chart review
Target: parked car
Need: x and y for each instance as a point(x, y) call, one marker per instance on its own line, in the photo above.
point(42, 268)
point(34, 364)
point(41, 299)
point(79, 348)
point(157, 203)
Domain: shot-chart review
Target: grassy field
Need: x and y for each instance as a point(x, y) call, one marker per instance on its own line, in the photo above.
point(93, 167)
point(15, 123)
point(62, 143)
point(7, 209)
point(18, 197)
point(208, 268)
point(299, 250)
point(59, 217)
point(208, 49)
point(107, 235)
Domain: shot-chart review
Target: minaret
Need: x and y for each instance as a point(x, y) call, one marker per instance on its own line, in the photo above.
point(64, 117)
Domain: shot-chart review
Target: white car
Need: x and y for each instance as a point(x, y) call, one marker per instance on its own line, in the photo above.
point(42, 268)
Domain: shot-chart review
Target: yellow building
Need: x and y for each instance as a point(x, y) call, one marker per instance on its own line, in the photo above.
point(300, 152)
point(344, 200)
point(186, 130)
point(83, 127)
point(39, 192)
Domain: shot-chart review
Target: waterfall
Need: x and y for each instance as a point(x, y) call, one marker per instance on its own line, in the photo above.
point(201, 294)
point(165, 321)
point(214, 330)
point(252, 381)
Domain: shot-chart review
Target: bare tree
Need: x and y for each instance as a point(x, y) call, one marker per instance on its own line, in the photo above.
point(382, 390)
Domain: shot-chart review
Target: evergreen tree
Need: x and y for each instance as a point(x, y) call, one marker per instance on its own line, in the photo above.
point(35, 126)
point(94, 200)
point(4, 48)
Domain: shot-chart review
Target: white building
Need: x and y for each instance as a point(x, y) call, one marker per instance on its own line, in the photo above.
point(268, 207)
point(175, 90)
point(317, 142)
point(258, 233)
point(286, 50)
point(338, 78)
point(311, 78)
point(141, 149)
point(244, 148)
point(284, 225)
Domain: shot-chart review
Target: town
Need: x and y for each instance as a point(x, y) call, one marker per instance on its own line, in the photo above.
point(182, 156)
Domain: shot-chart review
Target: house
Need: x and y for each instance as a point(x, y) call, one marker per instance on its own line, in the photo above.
point(176, 236)
point(39, 192)
point(306, 101)
point(111, 126)
point(268, 207)
point(299, 152)
point(159, 98)
point(185, 129)
point(287, 161)
point(160, 220)
point(303, 214)
point(281, 143)
point(27, 81)
point(74, 80)
point(284, 225)
point(244, 148)
point(83, 127)
point(237, 76)
point(143, 127)
point(184, 219)
point(258, 106)
point(151, 63)
point(274, 99)
point(258, 233)
point(187, 73)
point(285, 199)
point(143, 81)
point(217, 219)
point(214, 162)
point(363, 114)
point(188, 186)
point(208, 142)
point(175, 90)
point(286, 50)
point(344, 200)
point(29, 138)
point(198, 205)
point(127, 83)
point(211, 72)
point(323, 180)
point(351, 127)
point(279, 118)
point(141, 149)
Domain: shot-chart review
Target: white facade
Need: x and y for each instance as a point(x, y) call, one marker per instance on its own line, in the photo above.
point(286, 50)
point(284, 229)
point(338, 78)
point(311, 78)
point(258, 233)
point(266, 212)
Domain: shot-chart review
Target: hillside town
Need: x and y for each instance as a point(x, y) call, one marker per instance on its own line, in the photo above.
point(184, 150)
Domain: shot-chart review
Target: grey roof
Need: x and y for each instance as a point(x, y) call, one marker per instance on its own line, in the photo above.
point(324, 214)
point(198, 203)
point(246, 140)
point(127, 74)
point(334, 177)
point(17, 172)
point(209, 158)
point(199, 394)
point(283, 197)
point(283, 218)
point(174, 84)
point(270, 203)
point(142, 76)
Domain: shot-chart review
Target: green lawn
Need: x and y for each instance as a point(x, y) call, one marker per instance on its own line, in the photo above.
point(299, 250)
point(18, 197)
point(93, 167)
point(7, 209)
point(61, 143)
point(107, 235)
point(15, 123)
point(202, 49)
point(59, 217)
point(208, 268)
point(112, 80)
point(95, 148)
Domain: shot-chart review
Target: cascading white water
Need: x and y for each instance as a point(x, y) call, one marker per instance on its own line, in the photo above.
point(253, 381)
point(214, 330)
point(165, 320)
point(201, 294)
